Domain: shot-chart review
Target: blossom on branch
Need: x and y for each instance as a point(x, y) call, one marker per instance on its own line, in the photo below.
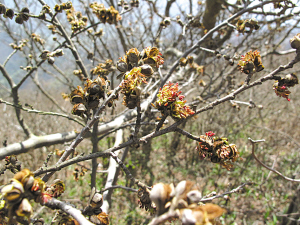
point(281, 85)
point(109, 15)
point(218, 150)
point(171, 101)
point(251, 62)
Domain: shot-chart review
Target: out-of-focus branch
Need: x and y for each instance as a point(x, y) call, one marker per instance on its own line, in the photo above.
point(75, 213)
point(118, 186)
point(8, 57)
point(164, 217)
point(237, 189)
point(7, 77)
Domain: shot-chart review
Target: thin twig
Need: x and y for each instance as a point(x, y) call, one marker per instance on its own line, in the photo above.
point(80, 137)
point(188, 134)
point(227, 192)
point(41, 112)
point(253, 142)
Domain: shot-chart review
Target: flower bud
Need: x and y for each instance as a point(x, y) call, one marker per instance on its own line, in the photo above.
point(122, 66)
point(51, 60)
point(24, 208)
point(19, 19)
point(295, 41)
point(167, 21)
point(58, 8)
point(13, 191)
point(9, 13)
point(25, 10)
point(291, 80)
point(99, 33)
point(183, 62)
point(25, 17)
point(2, 9)
point(44, 55)
point(160, 195)
point(59, 52)
point(68, 5)
point(133, 55)
point(79, 109)
point(146, 70)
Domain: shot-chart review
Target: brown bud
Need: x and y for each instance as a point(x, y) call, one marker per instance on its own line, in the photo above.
point(42, 15)
point(183, 62)
point(190, 59)
point(44, 55)
point(76, 99)
point(84, 19)
point(167, 21)
point(51, 60)
point(79, 109)
point(99, 33)
point(9, 13)
point(24, 16)
point(94, 89)
point(96, 201)
point(59, 52)
point(133, 56)
point(78, 15)
point(295, 41)
point(25, 10)
point(2, 9)
point(146, 70)
point(291, 80)
point(226, 57)
point(126, 6)
point(46, 8)
point(24, 208)
point(150, 61)
point(20, 176)
point(19, 19)
point(13, 191)
point(122, 66)
point(58, 8)
point(68, 5)
point(90, 56)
